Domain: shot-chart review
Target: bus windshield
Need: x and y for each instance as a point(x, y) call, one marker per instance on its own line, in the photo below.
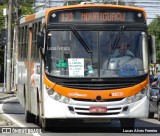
point(67, 57)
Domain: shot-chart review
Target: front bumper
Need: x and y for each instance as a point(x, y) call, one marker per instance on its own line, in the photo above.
point(80, 110)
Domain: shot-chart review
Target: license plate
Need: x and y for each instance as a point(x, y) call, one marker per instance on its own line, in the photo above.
point(98, 109)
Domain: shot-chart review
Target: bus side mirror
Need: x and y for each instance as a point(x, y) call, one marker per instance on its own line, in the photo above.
point(152, 48)
point(40, 40)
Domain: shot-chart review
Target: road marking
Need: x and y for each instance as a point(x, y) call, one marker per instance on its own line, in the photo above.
point(12, 119)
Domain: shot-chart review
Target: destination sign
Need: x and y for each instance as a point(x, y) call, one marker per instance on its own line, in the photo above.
point(96, 16)
point(93, 17)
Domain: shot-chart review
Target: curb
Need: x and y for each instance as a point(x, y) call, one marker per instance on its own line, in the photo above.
point(5, 97)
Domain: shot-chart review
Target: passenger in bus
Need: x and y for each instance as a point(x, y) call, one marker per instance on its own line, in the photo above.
point(122, 51)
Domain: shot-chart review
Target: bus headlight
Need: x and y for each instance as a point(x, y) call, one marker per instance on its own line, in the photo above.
point(53, 94)
point(50, 91)
point(66, 99)
point(129, 99)
point(58, 97)
point(137, 96)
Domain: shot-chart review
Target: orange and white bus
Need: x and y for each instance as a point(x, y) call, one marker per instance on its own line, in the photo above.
point(69, 70)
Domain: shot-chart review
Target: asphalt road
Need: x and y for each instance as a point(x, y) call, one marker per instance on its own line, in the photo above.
point(13, 111)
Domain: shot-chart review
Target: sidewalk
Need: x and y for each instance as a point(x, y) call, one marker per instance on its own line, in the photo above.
point(4, 121)
point(4, 95)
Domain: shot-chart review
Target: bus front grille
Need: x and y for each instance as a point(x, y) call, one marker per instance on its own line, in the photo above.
point(86, 111)
point(97, 86)
point(93, 100)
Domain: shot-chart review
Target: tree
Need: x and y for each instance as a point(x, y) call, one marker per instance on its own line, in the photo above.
point(74, 2)
point(154, 29)
point(2, 26)
point(25, 6)
point(2, 2)
point(116, 2)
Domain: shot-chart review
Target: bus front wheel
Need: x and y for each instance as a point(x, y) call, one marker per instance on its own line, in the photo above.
point(127, 122)
point(29, 117)
point(158, 111)
point(151, 115)
point(43, 123)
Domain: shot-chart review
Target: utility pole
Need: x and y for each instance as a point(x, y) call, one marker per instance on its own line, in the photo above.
point(117, 2)
point(15, 46)
point(8, 83)
point(5, 14)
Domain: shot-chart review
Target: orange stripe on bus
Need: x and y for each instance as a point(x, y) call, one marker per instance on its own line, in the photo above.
point(48, 82)
point(29, 18)
point(92, 94)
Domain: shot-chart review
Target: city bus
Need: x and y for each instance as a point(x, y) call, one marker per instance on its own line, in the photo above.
point(66, 68)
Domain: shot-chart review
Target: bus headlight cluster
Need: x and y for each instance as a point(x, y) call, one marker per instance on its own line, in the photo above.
point(137, 96)
point(56, 96)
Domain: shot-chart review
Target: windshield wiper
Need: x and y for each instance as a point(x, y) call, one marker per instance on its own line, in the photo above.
point(115, 44)
point(118, 37)
point(81, 40)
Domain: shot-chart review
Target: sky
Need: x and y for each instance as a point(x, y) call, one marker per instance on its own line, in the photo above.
point(152, 7)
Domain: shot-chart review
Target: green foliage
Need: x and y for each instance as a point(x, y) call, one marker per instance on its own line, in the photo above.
point(2, 26)
point(2, 18)
point(2, 2)
point(120, 2)
point(154, 29)
point(26, 8)
point(74, 2)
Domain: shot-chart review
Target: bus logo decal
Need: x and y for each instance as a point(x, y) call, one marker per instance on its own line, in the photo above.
point(77, 94)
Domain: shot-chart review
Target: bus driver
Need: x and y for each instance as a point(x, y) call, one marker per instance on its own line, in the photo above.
point(122, 51)
point(122, 58)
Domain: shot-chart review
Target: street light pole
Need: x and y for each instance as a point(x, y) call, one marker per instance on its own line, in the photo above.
point(8, 83)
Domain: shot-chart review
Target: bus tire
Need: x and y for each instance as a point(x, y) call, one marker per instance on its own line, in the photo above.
point(127, 123)
point(43, 123)
point(158, 111)
point(29, 117)
point(151, 115)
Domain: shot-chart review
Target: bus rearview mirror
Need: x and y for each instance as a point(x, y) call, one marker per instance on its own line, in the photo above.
point(152, 48)
point(40, 40)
